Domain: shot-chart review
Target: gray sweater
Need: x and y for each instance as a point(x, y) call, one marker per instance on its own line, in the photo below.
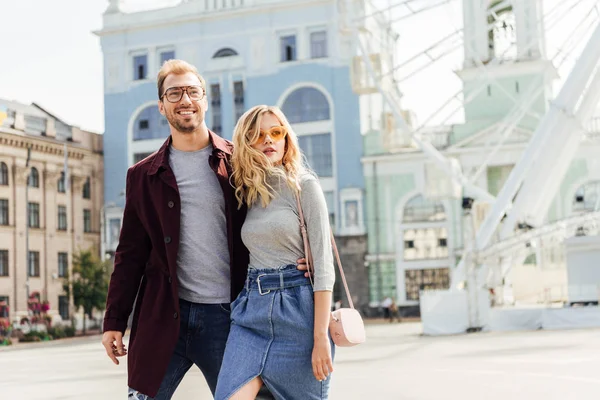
point(272, 234)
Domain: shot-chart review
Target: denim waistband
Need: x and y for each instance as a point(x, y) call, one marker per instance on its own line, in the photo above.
point(266, 280)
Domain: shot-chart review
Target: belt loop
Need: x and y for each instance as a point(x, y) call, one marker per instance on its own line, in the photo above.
point(248, 284)
point(281, 280)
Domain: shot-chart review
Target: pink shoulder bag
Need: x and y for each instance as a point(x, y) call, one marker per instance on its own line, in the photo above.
point(346, 326)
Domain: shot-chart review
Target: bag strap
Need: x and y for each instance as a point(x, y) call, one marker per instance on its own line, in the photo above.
point(308, 253)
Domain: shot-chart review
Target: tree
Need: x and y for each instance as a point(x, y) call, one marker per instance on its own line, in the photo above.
point(90, 283)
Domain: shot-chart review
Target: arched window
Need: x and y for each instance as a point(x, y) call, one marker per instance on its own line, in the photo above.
point(34, 178)
point(306, 104)
point(3, 174)
point(150, 124)
point(587, 197)
point(225, 52)
point(420, 209)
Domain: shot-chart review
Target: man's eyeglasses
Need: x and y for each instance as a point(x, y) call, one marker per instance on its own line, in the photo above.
point(175, 94)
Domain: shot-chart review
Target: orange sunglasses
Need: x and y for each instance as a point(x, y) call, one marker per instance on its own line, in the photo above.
point(276, 133)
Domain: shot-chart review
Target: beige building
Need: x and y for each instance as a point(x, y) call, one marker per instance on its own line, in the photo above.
point(44, 224)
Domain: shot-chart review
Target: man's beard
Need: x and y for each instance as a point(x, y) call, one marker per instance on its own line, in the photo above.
point(190, 126)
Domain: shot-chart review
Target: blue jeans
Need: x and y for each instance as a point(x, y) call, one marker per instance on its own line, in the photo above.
point(202, 338)
point(272, 323)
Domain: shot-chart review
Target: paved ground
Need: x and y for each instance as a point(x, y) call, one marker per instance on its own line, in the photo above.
point(396, 363)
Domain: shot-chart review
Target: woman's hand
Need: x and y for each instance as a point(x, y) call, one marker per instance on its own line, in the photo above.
point(321, 358)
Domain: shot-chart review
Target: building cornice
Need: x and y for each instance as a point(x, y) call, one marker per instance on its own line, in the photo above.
point(44, 145)
point(187, 13)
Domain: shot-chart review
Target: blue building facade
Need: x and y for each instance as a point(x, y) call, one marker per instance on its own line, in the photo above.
point(285, 53)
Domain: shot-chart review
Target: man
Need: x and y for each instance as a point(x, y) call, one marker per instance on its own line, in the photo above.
point(179, 251)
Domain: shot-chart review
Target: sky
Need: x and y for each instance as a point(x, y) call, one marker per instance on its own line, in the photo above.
point(51, 57)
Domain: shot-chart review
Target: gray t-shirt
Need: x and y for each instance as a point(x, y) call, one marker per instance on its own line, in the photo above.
point(272, 234)
point(203, 258)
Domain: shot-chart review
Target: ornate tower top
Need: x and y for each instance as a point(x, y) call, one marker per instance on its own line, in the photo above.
point(114, 7)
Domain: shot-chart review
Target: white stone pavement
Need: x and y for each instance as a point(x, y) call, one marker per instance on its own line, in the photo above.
point(396, 363)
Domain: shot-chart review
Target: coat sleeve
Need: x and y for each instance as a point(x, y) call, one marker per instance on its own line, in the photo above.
point(131, 257)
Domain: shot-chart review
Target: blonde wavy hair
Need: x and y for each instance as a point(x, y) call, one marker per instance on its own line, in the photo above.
point(252, 169)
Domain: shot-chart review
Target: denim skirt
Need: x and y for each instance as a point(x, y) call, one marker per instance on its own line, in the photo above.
point(271, 336)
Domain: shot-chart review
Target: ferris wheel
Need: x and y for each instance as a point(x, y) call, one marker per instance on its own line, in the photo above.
point(400, 42)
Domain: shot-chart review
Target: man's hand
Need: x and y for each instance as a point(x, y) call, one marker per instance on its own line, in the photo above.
point(113, 343)
point(302, 266)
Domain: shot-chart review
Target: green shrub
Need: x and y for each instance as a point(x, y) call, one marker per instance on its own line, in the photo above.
point(57, 332)
point(35, 336)
point(70, 331)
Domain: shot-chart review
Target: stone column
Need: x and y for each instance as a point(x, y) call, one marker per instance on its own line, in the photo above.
point(52, 285)
point(20, 254)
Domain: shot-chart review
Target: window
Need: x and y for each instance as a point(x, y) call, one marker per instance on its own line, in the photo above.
point(144, 124)
point(87, 221)
point(3, 262)
point(3, 211)
point(351, 214)
point(150, 124)
point(587, 197)
point(87, 189)
point(34, 215)
point(318, 44)
point(238, 99)
point(34, 178)
point(215, 102)
point(425, 279)
point(306, 104)
point(226, 52)
point(137, 157)
point(317, 150)
point(63, 265)
point(3, 174)
point(62, 218)
point(288, 48)
point(35, 125)
point(63, 307)
point(425, 243)
point(60, 185)
point(166, 56)
point(34, 264)
point(140, 67)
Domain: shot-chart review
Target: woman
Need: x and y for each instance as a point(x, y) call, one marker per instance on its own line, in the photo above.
point(279, 322)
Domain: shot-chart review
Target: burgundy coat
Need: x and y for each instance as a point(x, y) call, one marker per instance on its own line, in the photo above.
point(146, 258)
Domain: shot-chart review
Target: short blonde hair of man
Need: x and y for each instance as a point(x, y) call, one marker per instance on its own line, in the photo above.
point(177, 67)
point(252, 169)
